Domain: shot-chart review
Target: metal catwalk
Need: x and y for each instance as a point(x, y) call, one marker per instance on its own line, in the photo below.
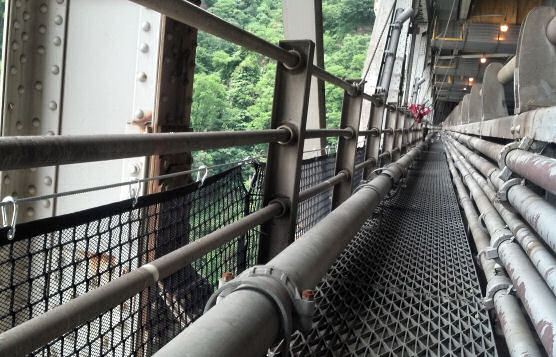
point(406, 285)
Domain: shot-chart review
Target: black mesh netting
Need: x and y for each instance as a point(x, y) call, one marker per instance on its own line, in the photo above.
point(314, 171)
point(56, 259)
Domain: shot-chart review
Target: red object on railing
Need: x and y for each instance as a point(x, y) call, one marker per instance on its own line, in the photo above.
point(419, 111)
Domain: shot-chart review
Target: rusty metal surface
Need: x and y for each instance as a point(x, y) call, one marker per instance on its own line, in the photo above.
point(406, 285)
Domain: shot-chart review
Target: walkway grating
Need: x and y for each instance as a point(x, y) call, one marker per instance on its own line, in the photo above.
point(406, 285)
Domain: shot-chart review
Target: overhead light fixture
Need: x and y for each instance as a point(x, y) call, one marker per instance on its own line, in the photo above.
point(504, 27)
point(471, 79)
point(464, 88)
point(483, 59)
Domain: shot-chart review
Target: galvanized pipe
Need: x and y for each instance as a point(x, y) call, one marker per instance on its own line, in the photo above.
point(540, 214)
point(400, 18)
point(39, 331)
point(322, 186)
point(518, 336)
point(21, 152)
point(229, 327)
point(539, 169)
point(506, 74)
point(537, 299)
point(328, 133)
point(542, 259)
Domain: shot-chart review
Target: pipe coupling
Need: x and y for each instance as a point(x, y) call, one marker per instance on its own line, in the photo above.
point(502, 193)
point(275, 284)
point(497, 283)
point(524, 144)
point(497, 238)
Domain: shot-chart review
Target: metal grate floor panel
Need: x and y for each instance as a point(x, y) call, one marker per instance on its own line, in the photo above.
point(406, 285)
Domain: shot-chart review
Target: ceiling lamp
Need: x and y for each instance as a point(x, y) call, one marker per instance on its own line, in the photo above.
point(471, 79)
point(483, 59)
point(504, 27)
point(464, 88)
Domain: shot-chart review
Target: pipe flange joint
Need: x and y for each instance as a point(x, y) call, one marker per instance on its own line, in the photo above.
point(497, 283)
point(496, 240)
point(277, 286)
point(375, 131)
point(388, 131)
point(502, 193)
point(390, 167)
point(284, 205)
point(293, 133)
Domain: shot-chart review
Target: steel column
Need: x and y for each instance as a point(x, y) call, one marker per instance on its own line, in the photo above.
point(283, 167)
point(398, 134)
point(347, 147)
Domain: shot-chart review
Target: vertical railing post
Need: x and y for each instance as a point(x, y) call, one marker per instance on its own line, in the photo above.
point(389, 132)
point(372, 145)
point(398, 137)
point(283, 167)
point(347, 147)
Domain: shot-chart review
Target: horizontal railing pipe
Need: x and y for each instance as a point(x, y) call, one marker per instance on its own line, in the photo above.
point(322, 186)
point(328, 133)
point(21, 152)
point(194, 16)
point(252, 314)
point(369, 162)
point(370, 132)
point(39, 331)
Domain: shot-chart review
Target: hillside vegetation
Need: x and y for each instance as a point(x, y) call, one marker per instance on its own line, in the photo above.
point(233, 87)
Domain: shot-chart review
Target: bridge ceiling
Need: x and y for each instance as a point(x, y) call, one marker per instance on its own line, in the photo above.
point(465, 31)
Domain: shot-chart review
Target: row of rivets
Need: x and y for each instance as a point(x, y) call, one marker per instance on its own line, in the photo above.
point(21, 42)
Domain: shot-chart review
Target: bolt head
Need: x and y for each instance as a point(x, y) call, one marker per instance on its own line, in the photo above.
point(36, 122)
point(55, 69)
point(47, 180)
point(141, 76)
point(42, 29)
point(58, 20)
point(57, 41)
point(143, 47)
point(30, 212)
point(146, 26)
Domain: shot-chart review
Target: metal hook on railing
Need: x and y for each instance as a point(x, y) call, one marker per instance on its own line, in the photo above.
point(205, 170)
point(327, 149)
point(132, 194)
point(11, 231)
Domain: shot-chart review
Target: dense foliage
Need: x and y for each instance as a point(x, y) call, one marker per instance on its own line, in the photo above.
point(233, 88)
